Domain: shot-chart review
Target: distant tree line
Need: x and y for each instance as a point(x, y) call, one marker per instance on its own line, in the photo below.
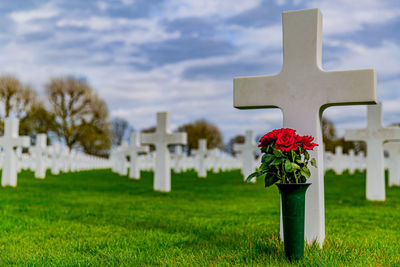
point(71, 112)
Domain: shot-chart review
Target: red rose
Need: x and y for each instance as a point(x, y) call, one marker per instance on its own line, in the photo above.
point(267, 139)
point(306, 142)
point(273, 136)
point(287, 140)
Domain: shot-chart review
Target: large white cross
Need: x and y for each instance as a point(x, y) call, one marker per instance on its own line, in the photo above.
point(40, 151)
point(161, 139)
point(302, 90)
point(374, 135)
point(9, 141)
point(201, 154)
point(134, 148)
point(247, 151)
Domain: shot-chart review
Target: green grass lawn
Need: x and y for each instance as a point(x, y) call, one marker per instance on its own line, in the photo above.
point(100, 218)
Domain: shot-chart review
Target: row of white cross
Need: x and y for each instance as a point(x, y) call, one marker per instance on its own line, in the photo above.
point(213, 160)
point(216, 160)
point(339, 162)
point(40, 157)
point(160, 160)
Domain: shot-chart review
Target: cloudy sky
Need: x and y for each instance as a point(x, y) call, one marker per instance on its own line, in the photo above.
point(144, 56)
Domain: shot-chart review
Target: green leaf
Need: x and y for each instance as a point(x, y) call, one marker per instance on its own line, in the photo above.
point(295, 166)
point(267, 158)
point(264, 167)
point(278, 153)
point(277, 161)
point(306, 155)
point(305, 172)
point(313, 163)
point(248, 179)
point(270, 179)
point(299, 161)
point(288, 166)
point(264, 149)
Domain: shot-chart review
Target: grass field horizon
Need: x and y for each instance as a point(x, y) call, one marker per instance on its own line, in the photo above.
point(101, 218)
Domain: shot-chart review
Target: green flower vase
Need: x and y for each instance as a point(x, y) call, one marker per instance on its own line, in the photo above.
point(293, 209)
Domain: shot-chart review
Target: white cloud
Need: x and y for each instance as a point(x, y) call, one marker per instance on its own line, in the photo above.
point(268, 37)
point(45, 12)
point(199, 8)
point(344, 16)
point(385, 59)
point(95, 23)
point(130, 31)
point(102, 5)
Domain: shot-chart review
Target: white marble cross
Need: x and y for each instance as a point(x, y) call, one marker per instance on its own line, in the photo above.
point(178, 158)
point(40, 151)
point(201, 154)
point(72, 158)
point(65, 160)
point(393, 163)
point(134, 148)
point(9, 141)
point(302, 90)
point(122, 163)
point(161, 139)
point(360, 160)
point(352, 161)
point(374, 136)
point(247, 153)
point(55, 152)
point(339, 160)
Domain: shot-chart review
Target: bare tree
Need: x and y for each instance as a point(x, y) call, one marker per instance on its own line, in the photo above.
point(80, 115)
point(38, 120)
point(120, 130)
point(17, 99)
point(202, 129)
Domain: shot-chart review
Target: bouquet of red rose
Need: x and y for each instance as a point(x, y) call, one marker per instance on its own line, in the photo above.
point(285, 157)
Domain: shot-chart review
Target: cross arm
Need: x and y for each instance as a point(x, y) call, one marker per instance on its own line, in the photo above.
point(255, 148)
point(356, 135)
point(350, 87)
point(23, 141)
point(143, 149)
point(177, 139)
point(238, 147)
point(256, 92)
point(149, 138)
point(391, 133)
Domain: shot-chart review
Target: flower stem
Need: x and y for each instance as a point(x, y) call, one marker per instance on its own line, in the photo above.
point(295, 176)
